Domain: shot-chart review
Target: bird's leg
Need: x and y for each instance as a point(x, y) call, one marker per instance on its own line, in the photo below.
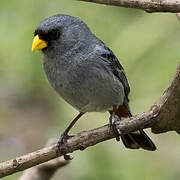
point(112, 122)
point(64, 136)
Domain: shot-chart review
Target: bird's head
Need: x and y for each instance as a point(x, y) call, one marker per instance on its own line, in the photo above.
point(59, 34)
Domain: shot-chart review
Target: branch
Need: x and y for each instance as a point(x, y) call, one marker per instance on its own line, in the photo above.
point(146, 5)
point(83, 139)
point(45, 170)
point(169, 107)
point(162, 117)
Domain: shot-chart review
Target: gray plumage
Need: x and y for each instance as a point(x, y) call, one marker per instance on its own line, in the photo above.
point(81, 68)
point(72, 69)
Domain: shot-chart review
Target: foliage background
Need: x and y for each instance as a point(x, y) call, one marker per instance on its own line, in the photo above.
point(31, 112)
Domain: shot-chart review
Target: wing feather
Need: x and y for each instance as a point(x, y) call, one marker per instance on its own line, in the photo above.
point(117, 68)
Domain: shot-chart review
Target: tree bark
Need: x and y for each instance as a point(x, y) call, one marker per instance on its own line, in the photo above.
point(150, 6)
point(45, 170)
point(163, 116)
point(169, 106)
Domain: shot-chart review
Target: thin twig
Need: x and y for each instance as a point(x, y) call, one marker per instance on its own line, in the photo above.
point(146, 5)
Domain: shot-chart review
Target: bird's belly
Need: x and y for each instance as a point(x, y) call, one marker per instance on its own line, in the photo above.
point(83, 103)
point(90, 98)
point(87, 91)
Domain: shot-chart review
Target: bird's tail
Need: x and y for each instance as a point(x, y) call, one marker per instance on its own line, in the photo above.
point(134, 140)
point(138, 140)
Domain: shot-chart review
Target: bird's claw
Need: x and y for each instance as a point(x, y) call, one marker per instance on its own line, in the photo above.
point(82, 147)
point(113, 127)
point(67, 157)
point(63, 139)
point(61, 145)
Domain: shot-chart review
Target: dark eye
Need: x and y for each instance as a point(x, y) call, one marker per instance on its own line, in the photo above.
point(39, 33)
point(54, 34)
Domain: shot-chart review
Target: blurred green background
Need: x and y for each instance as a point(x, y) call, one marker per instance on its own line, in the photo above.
point(31, 112)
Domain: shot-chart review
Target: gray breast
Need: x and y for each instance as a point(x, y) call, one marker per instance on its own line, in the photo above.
point(87, 86)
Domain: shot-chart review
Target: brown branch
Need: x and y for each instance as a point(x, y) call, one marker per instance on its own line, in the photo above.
point(83, 139)
point(169, 106)
point(146, 5)
point(45, 170)
point(163, 116)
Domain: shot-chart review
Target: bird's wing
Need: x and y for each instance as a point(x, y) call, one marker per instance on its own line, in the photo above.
point(107, 55)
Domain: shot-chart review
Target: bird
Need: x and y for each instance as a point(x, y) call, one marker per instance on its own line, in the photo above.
point(86, 74)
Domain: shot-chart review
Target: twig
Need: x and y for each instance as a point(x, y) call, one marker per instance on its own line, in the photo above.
point(146, 5)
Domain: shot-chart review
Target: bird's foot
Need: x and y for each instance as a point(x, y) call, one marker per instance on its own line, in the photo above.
point(63, 139)
point(82, 147)
point(113, 127)
point(61, 145)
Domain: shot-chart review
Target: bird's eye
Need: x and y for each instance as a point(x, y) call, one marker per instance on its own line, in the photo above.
point(39, 33)
point(54, 34)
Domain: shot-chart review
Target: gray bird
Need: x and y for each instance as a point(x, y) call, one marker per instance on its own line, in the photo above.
point(86, 74)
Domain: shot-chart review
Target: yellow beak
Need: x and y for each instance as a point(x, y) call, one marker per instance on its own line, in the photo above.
point(38, 44)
